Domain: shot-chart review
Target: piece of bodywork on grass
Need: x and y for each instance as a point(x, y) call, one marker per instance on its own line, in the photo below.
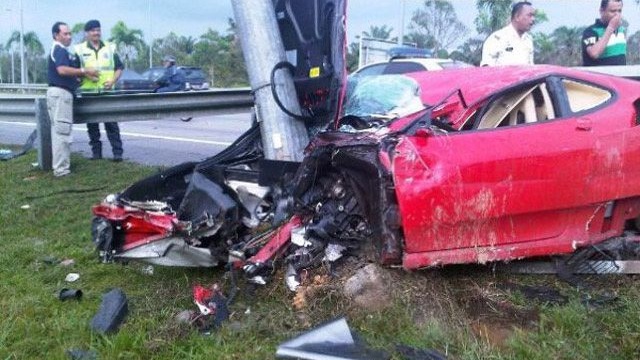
point(333, 340)
point(461, 166)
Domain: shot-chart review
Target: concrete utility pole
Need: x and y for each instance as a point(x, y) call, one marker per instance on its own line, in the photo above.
point(283, 138)
point(23, 65)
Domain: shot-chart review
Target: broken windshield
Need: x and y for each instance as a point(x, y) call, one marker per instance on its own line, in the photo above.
point(382, 97)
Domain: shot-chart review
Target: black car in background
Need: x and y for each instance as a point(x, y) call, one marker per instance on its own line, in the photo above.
point(132, 82)
point(195, 78)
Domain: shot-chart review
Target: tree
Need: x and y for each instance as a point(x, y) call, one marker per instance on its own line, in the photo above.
point(378, 32)
point(33, 50)
point(633, 48)
point(128, 41)
point(492, 15)
point(470, 51)
point(437, 20)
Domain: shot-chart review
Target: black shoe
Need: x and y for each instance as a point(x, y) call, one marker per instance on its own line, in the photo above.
point(117, 158)
point(96, 156)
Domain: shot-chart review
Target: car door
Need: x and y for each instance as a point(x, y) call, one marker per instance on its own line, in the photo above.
point(514, 184)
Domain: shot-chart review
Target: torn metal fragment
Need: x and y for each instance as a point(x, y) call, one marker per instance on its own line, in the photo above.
point(332, 340)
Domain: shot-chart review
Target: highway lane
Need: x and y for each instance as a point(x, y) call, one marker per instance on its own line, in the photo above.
point(154, 142)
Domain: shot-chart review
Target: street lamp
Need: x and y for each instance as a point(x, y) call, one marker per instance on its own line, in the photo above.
point(150, 35)
point(23, 65)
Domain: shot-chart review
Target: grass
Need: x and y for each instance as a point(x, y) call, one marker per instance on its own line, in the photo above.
point(441, 309)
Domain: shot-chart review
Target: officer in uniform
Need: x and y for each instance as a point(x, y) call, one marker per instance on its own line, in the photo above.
point(173, 78)
point(95, 53)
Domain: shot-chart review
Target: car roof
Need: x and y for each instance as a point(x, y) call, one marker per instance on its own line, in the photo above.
point(478, 82)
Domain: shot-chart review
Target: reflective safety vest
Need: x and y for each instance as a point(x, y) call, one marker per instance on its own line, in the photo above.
point(102, 60)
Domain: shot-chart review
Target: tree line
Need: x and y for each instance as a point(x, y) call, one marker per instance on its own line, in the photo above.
point(434, 26)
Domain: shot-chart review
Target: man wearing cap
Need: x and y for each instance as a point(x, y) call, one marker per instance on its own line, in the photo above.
point(63, 75)
point(95, 53)
point(173, 78)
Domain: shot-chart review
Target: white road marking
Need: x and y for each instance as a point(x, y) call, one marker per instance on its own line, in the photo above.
point(125, 133)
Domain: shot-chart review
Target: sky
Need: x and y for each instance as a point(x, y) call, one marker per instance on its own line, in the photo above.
point(194, 17)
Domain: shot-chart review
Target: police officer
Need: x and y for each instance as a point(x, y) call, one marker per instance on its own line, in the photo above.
point(95, 53)
point(173, 78)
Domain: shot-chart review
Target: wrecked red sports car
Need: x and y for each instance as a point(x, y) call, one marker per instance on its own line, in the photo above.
point(432, 168)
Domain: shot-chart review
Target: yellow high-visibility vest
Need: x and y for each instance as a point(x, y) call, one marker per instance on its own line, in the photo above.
point(102, 60)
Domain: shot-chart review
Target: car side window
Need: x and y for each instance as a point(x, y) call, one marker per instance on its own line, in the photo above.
point(522, 105)
point(400, 67)
point(583, 96)
point(372, 70)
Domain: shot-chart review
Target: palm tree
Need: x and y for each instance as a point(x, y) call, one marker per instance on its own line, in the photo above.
point(492, 15)
point(187, 44)
point(378, 32)
point(33, 49)
point(128, 41)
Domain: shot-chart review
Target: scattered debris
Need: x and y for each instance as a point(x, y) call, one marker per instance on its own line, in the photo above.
point(317, 286)
point(147, 270)
point(113, 310)
point(79, 354)
point(368, 288)
point(72, 277)
point(70, 294)
point(212, 305)
point(185, 316)
point(410, 353)
point(7, 154)
point(332, 340)
point(67, 262)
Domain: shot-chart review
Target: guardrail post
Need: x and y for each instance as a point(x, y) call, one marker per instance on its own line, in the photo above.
point(44, 134)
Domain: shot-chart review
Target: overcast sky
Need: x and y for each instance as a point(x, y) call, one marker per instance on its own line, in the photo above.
point(194, 17)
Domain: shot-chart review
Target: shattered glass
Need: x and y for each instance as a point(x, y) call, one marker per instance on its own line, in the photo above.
point(385, 96)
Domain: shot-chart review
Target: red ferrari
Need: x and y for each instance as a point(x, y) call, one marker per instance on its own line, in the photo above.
point(463, 166)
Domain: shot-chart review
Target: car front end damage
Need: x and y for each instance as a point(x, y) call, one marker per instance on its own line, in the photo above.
point(226, 210)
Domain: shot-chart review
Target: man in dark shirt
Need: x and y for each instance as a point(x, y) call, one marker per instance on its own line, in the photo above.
point(63, 76)
point(604, 42)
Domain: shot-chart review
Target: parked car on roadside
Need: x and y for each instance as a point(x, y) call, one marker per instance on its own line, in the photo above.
point(407, 65)
point(195, 78)
point(132, 82)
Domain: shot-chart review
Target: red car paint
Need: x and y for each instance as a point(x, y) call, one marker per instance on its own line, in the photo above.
point(518, 191)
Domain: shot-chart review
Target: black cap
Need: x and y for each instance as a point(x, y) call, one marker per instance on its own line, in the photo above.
point(91, 24)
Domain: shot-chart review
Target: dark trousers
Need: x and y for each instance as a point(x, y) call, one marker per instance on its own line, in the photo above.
point(113, 134)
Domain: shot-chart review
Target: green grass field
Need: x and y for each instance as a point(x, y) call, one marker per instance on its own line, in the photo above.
point(462, 311)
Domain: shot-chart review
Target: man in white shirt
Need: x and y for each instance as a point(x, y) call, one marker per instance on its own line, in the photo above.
point(511, 45)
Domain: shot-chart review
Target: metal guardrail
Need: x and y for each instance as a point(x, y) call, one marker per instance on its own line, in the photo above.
point(628, 71)
point(118, 108)
point(23, 88)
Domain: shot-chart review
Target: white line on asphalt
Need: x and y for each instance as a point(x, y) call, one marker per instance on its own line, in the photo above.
point(125, 133)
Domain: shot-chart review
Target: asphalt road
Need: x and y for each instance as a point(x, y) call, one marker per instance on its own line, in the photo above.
point(155, 142)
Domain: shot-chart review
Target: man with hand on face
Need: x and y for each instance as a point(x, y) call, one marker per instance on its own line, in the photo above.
point(604, 43)
point(63, 75)
point(512, 45)
point(94, 52)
